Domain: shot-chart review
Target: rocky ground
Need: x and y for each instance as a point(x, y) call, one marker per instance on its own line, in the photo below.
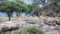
point(49, 25)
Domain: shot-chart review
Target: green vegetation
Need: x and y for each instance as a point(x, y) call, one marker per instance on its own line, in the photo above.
point(10, 7)
point(49, 8)
point(29, 30)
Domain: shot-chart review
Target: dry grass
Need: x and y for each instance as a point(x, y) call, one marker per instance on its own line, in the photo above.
point(3, 20)
point(23, 18)
point(12, 19)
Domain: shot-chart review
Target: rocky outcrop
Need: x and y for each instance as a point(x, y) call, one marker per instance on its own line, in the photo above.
point(8, 26)
point(48, 25)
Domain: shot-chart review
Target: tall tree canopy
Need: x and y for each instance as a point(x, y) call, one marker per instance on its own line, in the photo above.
point(10, 7)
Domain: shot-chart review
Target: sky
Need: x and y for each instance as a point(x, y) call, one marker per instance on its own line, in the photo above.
point(2, 14)
point(28, 1)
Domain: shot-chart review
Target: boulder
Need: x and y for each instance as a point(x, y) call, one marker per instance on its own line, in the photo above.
point(57, 27)
point(51, 22)
point(58, 22)
point(51, 32)
point(4, 27)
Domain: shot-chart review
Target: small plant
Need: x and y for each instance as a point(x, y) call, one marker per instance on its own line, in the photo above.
point(29, 30)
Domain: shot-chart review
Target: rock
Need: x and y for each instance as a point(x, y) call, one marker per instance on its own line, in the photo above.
point(52, 32)
point(32, 20)
point(46, 28)
point(51, 22)
point(57, 27)
point(58, 22)
point(4, 27)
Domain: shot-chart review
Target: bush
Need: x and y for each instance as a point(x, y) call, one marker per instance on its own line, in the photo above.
point(29, 30)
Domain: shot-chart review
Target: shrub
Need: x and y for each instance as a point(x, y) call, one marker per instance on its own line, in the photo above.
point(29, 30)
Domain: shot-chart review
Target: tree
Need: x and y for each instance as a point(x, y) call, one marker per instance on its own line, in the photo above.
point(34, 9)
point(49, 8)
point(7, 8)
point(10, 7)
point(22, 7)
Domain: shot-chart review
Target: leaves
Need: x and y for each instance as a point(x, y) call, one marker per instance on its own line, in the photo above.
point(13, 6)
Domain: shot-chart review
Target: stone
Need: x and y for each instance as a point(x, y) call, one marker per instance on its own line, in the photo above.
point(52, 32)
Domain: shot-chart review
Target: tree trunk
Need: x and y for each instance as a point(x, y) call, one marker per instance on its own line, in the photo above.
point(9, 18)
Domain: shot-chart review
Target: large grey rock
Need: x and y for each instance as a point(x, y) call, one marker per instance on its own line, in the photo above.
point(51, 32)
point(8, 26)
point(57, 27)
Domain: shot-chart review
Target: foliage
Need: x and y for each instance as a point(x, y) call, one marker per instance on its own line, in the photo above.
point(49, 8)
point(29, 30)
point(34, 9)
point(9, 7)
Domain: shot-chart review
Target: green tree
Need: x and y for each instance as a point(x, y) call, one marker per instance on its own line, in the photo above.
point(34, 9)
point(23, 7)
point(10, 7)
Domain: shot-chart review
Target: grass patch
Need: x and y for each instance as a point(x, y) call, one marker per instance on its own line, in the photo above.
point(29, 30)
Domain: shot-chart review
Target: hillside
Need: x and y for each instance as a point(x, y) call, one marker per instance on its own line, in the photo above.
point(48, 24)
